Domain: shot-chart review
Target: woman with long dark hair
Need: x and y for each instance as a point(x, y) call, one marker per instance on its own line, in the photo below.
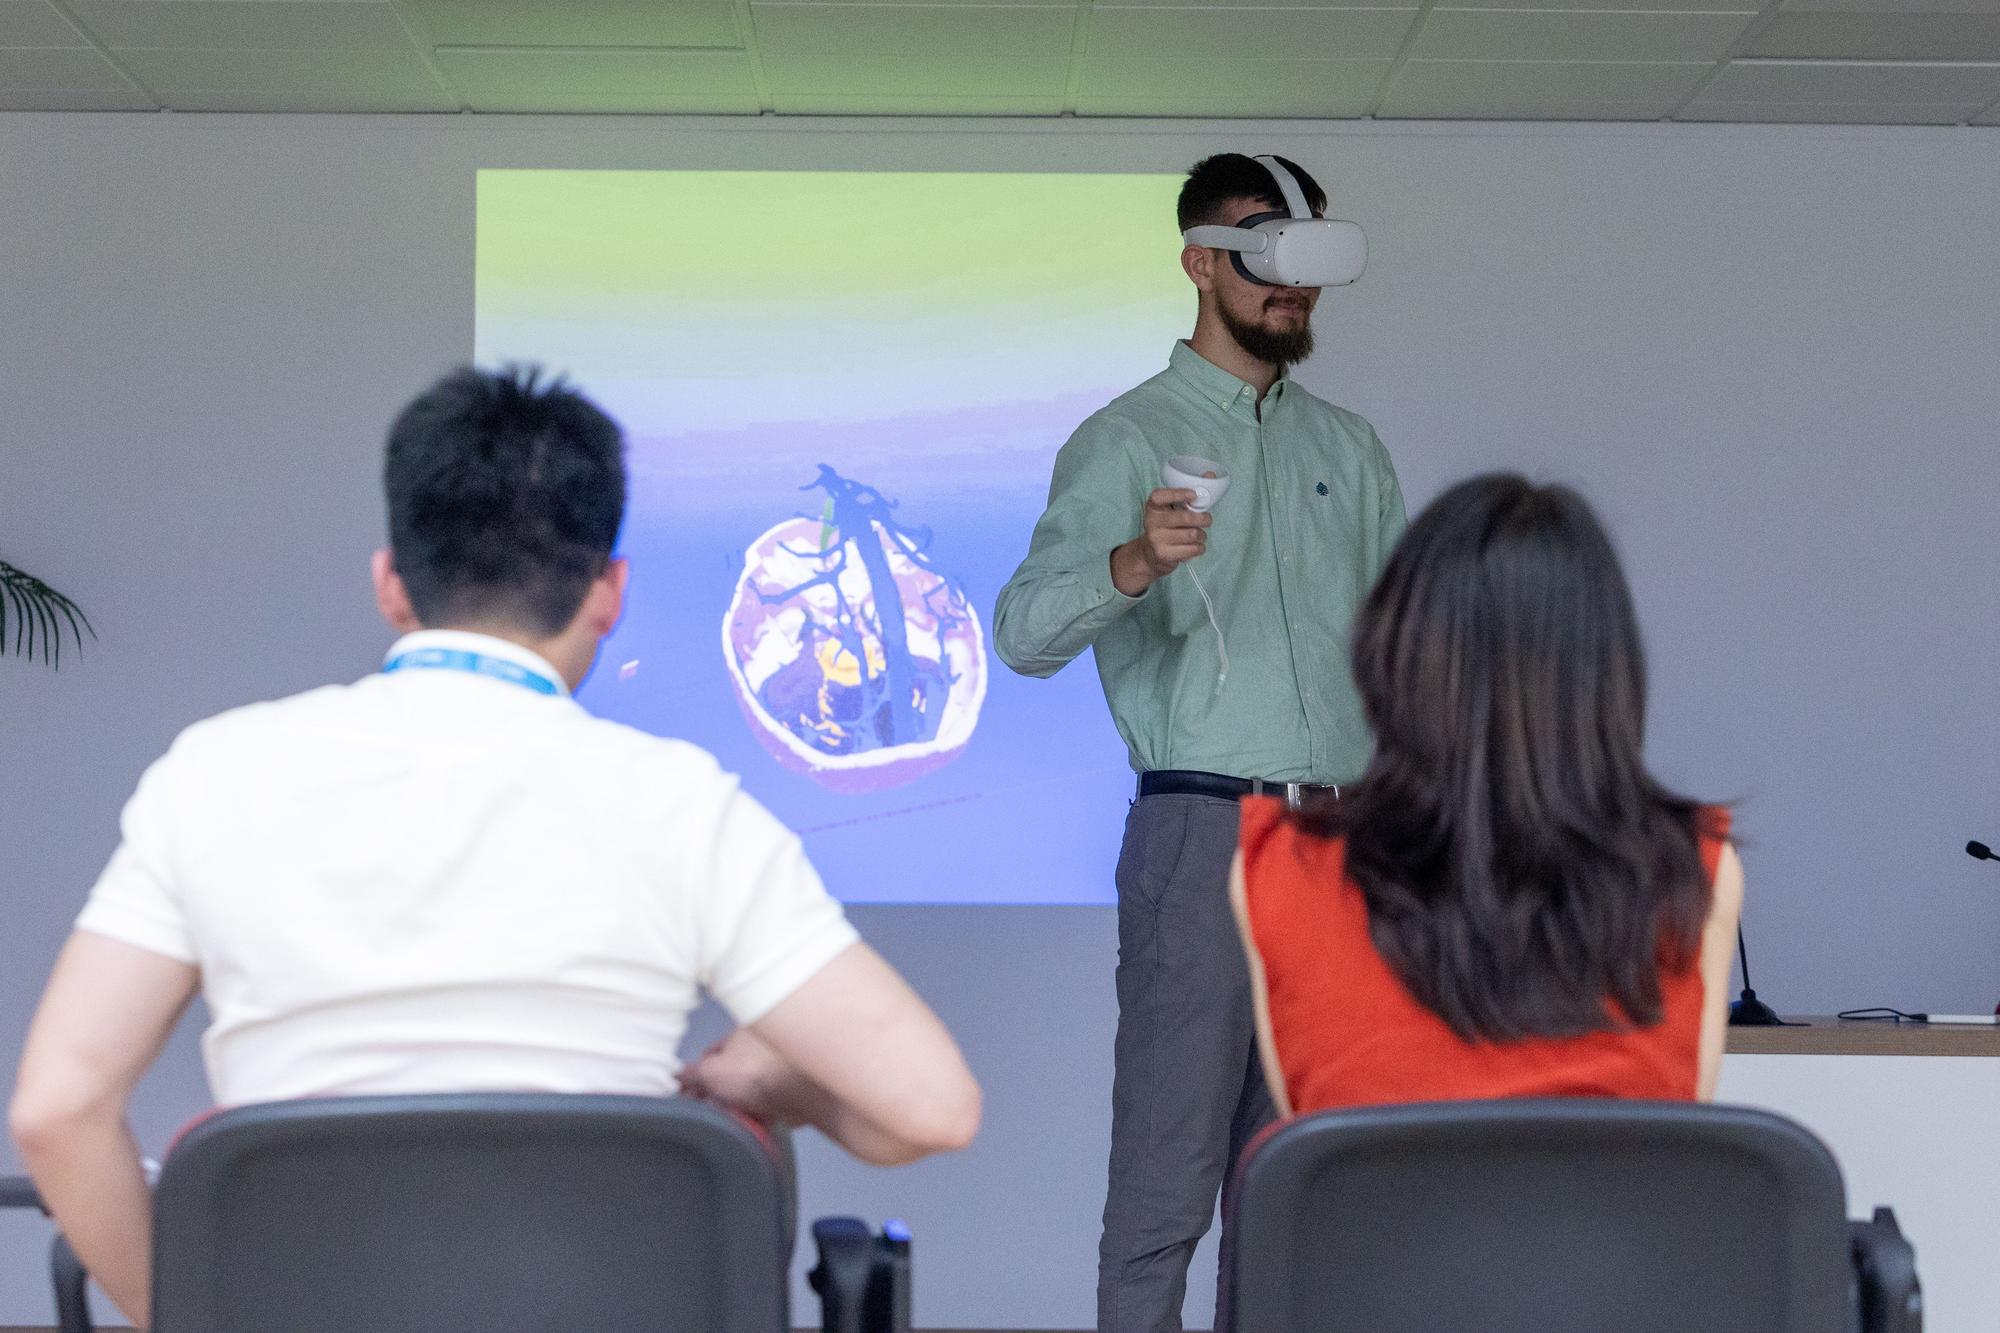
point(1507, 904)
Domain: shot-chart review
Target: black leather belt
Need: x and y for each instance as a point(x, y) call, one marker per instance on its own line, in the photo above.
point(1193, 782)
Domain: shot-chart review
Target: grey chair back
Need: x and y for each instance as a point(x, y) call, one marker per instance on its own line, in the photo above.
point(489, 1213)
point(1540, 1216)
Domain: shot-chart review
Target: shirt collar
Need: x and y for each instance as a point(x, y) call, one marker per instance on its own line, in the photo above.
point(486, 645)
point(1213, 382)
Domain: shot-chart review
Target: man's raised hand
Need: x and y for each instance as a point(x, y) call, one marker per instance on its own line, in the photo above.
point(1170, 535)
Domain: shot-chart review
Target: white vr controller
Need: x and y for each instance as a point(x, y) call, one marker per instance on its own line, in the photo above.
point(1185, 472)
point(1289, 249)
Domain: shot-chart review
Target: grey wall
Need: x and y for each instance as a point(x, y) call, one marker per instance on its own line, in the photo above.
point(1769, 354)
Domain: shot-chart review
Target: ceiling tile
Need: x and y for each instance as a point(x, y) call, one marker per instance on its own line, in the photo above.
point(50, 69)
point(35, 23)
point(1846, 91)
point(1224, 88)
point(1498, 34)
point(1248, 34)
point(1880, 37)
point(287, 80)
point(802, 75)
point(1539, 90)
point(1614, 6)
point(1892, 6)
point(1239, 6)
point(268, 25)
point(989, 31)
point(74, 99)
point(528, 79)
point(1825, 113)
point(577, 22)
point(891, 104)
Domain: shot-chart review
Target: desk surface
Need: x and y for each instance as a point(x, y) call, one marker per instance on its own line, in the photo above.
point(1823, 1035)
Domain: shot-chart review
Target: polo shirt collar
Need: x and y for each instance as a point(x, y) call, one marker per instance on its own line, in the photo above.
point(1213, 382)
point(486, 645)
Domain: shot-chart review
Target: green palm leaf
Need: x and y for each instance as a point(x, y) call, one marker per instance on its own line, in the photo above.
point(38, 615)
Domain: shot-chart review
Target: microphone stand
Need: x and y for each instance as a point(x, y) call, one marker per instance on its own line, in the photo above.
point(1747, 1011)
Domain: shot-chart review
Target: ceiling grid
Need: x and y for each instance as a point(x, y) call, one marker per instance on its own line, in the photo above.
point(1820, 61)
point(1765, 18)
point(69, 20)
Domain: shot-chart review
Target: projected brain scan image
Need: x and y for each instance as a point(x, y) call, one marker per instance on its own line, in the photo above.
point(856, 662)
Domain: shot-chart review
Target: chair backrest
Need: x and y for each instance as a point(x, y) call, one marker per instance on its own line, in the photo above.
point(1540, 1216)
point(487, 1213)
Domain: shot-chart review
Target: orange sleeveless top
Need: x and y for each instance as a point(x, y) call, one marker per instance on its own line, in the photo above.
point(1349, 1033)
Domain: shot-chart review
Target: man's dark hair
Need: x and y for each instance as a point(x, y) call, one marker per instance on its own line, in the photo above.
point(505, 495)
point(1525, 876)
point(1215, 181)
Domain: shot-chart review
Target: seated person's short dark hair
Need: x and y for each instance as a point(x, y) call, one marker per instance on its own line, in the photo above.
point(1214, 181)
point(505, 497)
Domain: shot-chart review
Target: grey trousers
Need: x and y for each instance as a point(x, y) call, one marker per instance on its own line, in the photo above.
point(1187, 1091)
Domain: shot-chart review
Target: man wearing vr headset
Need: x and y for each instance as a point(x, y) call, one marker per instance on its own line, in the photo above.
point(1253, 694)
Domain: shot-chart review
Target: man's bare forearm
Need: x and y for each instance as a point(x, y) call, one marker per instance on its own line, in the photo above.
point(89, 1173)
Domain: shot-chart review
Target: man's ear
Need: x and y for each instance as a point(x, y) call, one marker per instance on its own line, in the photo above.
point(605, 602)
point(1198, 262)
point(392, 599)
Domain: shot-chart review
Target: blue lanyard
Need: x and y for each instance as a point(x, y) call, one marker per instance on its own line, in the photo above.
point(457, 659)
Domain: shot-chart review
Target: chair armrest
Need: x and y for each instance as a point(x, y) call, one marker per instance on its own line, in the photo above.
point(1887, 1293)
point(71, 1284)
point(65, 1270)
point(863, 1280)
point(20, 1192)
point(841, 1276)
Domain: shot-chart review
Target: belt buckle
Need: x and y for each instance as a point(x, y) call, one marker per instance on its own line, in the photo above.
point(1295, 792)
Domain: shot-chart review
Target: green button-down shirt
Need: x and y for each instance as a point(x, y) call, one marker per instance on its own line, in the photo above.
point(1310, 516)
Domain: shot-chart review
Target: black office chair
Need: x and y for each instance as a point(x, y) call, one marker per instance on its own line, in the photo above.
point(469, 1213)
point(1557, 1216)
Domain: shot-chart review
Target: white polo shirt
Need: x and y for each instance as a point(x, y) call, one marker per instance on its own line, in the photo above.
point(438, 880)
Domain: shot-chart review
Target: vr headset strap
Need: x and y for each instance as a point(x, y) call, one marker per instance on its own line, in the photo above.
point(1228, 238)
point(1288, 185)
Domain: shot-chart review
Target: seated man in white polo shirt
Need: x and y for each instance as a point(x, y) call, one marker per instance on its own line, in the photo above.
point(449, 876)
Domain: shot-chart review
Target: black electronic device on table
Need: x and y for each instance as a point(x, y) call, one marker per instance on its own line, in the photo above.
point(1746, 1010)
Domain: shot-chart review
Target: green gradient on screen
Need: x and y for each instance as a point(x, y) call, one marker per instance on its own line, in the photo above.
point(831, 296)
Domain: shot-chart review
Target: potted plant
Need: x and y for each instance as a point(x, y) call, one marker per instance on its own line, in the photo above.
point(33, 616)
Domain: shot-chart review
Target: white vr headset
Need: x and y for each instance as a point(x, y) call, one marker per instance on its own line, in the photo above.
point(1290, 249)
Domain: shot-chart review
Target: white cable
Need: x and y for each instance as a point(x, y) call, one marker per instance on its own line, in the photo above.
point(1221, 645)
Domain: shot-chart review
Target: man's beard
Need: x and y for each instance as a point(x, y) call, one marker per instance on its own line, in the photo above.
point(1281, 349)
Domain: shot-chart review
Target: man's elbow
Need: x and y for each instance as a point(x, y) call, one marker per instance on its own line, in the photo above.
point(956, 1121)
point(38, 1123)
point(946, 1123)
point(43, 1116)
point(1024, 661)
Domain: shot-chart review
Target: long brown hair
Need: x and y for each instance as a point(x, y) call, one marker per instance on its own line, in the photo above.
point(1524, 874)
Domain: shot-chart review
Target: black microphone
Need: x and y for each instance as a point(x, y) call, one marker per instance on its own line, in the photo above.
point(1747, 1011)
point(1979, 851)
